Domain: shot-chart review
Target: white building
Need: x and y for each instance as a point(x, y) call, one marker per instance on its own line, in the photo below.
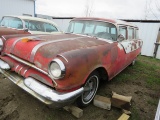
point(17, 7)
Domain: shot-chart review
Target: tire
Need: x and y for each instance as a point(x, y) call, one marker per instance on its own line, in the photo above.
point(90, 89)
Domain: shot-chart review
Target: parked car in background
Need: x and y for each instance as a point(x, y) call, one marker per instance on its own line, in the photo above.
point(26, 25)
point(62, 68)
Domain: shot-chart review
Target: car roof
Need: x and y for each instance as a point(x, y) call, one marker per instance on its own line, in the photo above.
point(32, 18)
point(113, 21)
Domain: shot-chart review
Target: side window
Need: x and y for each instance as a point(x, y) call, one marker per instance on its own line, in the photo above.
point(123, 31)
point(50, 28)
point(113, 31)
point(130, 33)
point(26, 24)
point(136, 34)
point(77, 27)
point(12, 22)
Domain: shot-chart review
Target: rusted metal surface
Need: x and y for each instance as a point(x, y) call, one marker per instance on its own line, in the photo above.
point(81, 55)
point(10, 31)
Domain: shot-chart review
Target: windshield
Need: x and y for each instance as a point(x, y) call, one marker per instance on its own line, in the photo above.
point(12, 22)
point(94, 28)
point(40, 26)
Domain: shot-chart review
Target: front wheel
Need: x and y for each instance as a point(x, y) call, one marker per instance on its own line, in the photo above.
point(90, 89)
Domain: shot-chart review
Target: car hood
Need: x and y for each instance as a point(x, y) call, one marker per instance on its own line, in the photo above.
point(11, 31)
point(41, 49)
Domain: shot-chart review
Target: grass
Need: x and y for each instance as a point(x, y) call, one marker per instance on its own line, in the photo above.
point(146, 68)
point(146, 71)
point(153, 102)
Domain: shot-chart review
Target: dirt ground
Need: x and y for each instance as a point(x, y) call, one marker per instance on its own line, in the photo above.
point(15, 104)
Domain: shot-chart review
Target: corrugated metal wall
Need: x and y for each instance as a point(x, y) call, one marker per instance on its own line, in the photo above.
point(16, 7)
point(62, 23)
point(148, 32)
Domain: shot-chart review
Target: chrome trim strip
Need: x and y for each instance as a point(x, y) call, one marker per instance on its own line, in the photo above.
point(26, 63)
point(16, 67)
point(63, 57)
point(3, 37)
point(20, 70)
point(25, 71)
point(31, 65)
point(30, 37)
point(34, 50)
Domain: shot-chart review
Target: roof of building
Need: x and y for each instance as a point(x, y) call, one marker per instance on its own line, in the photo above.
point(146, 21)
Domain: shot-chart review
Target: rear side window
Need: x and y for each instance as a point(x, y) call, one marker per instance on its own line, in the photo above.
point(123, 31)
point(39, 26)
point(130, 33)
point(50, 28)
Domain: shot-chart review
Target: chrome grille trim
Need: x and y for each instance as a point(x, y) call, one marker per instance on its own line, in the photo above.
point(26, 63)
point(31, 65)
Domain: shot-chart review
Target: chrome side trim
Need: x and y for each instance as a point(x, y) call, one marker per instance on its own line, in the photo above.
point(20, 70)
point(34, 50)
point(26, 63)
point(16, 67)
point(3, 37)
point(25, 71)
point(30, 37)
point(63, 57)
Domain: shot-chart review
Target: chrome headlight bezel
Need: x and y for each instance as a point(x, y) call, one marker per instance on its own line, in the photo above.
point(62, 68)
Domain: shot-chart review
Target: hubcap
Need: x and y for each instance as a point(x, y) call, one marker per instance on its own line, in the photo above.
point(90, 89)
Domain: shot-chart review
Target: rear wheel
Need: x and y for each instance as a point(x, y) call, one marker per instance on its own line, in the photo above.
point(90, 89)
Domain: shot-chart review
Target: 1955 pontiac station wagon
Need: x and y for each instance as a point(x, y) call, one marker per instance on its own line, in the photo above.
point(66, 67)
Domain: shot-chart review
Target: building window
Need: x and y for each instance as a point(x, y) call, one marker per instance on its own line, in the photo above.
point(27, 15)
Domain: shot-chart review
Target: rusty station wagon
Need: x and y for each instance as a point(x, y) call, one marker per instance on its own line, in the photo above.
point(66, 67)
point(26, 25)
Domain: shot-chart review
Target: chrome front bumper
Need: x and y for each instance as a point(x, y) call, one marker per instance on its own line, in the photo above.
point(42, 92)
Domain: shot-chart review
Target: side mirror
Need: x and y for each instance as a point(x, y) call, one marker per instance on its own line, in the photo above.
point(121, 37)
point(26, 29)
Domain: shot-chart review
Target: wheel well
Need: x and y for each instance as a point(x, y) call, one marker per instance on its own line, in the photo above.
point(102, 73)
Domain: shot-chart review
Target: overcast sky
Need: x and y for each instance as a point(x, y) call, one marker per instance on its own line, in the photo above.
point(119, 9)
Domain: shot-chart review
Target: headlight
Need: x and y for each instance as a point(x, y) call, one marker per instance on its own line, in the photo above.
point(1, 44)
point(57, 69)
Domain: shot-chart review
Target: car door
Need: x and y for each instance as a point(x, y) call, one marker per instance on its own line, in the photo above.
point(130, 44)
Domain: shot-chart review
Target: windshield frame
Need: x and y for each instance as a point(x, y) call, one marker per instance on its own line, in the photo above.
point(96, 21)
